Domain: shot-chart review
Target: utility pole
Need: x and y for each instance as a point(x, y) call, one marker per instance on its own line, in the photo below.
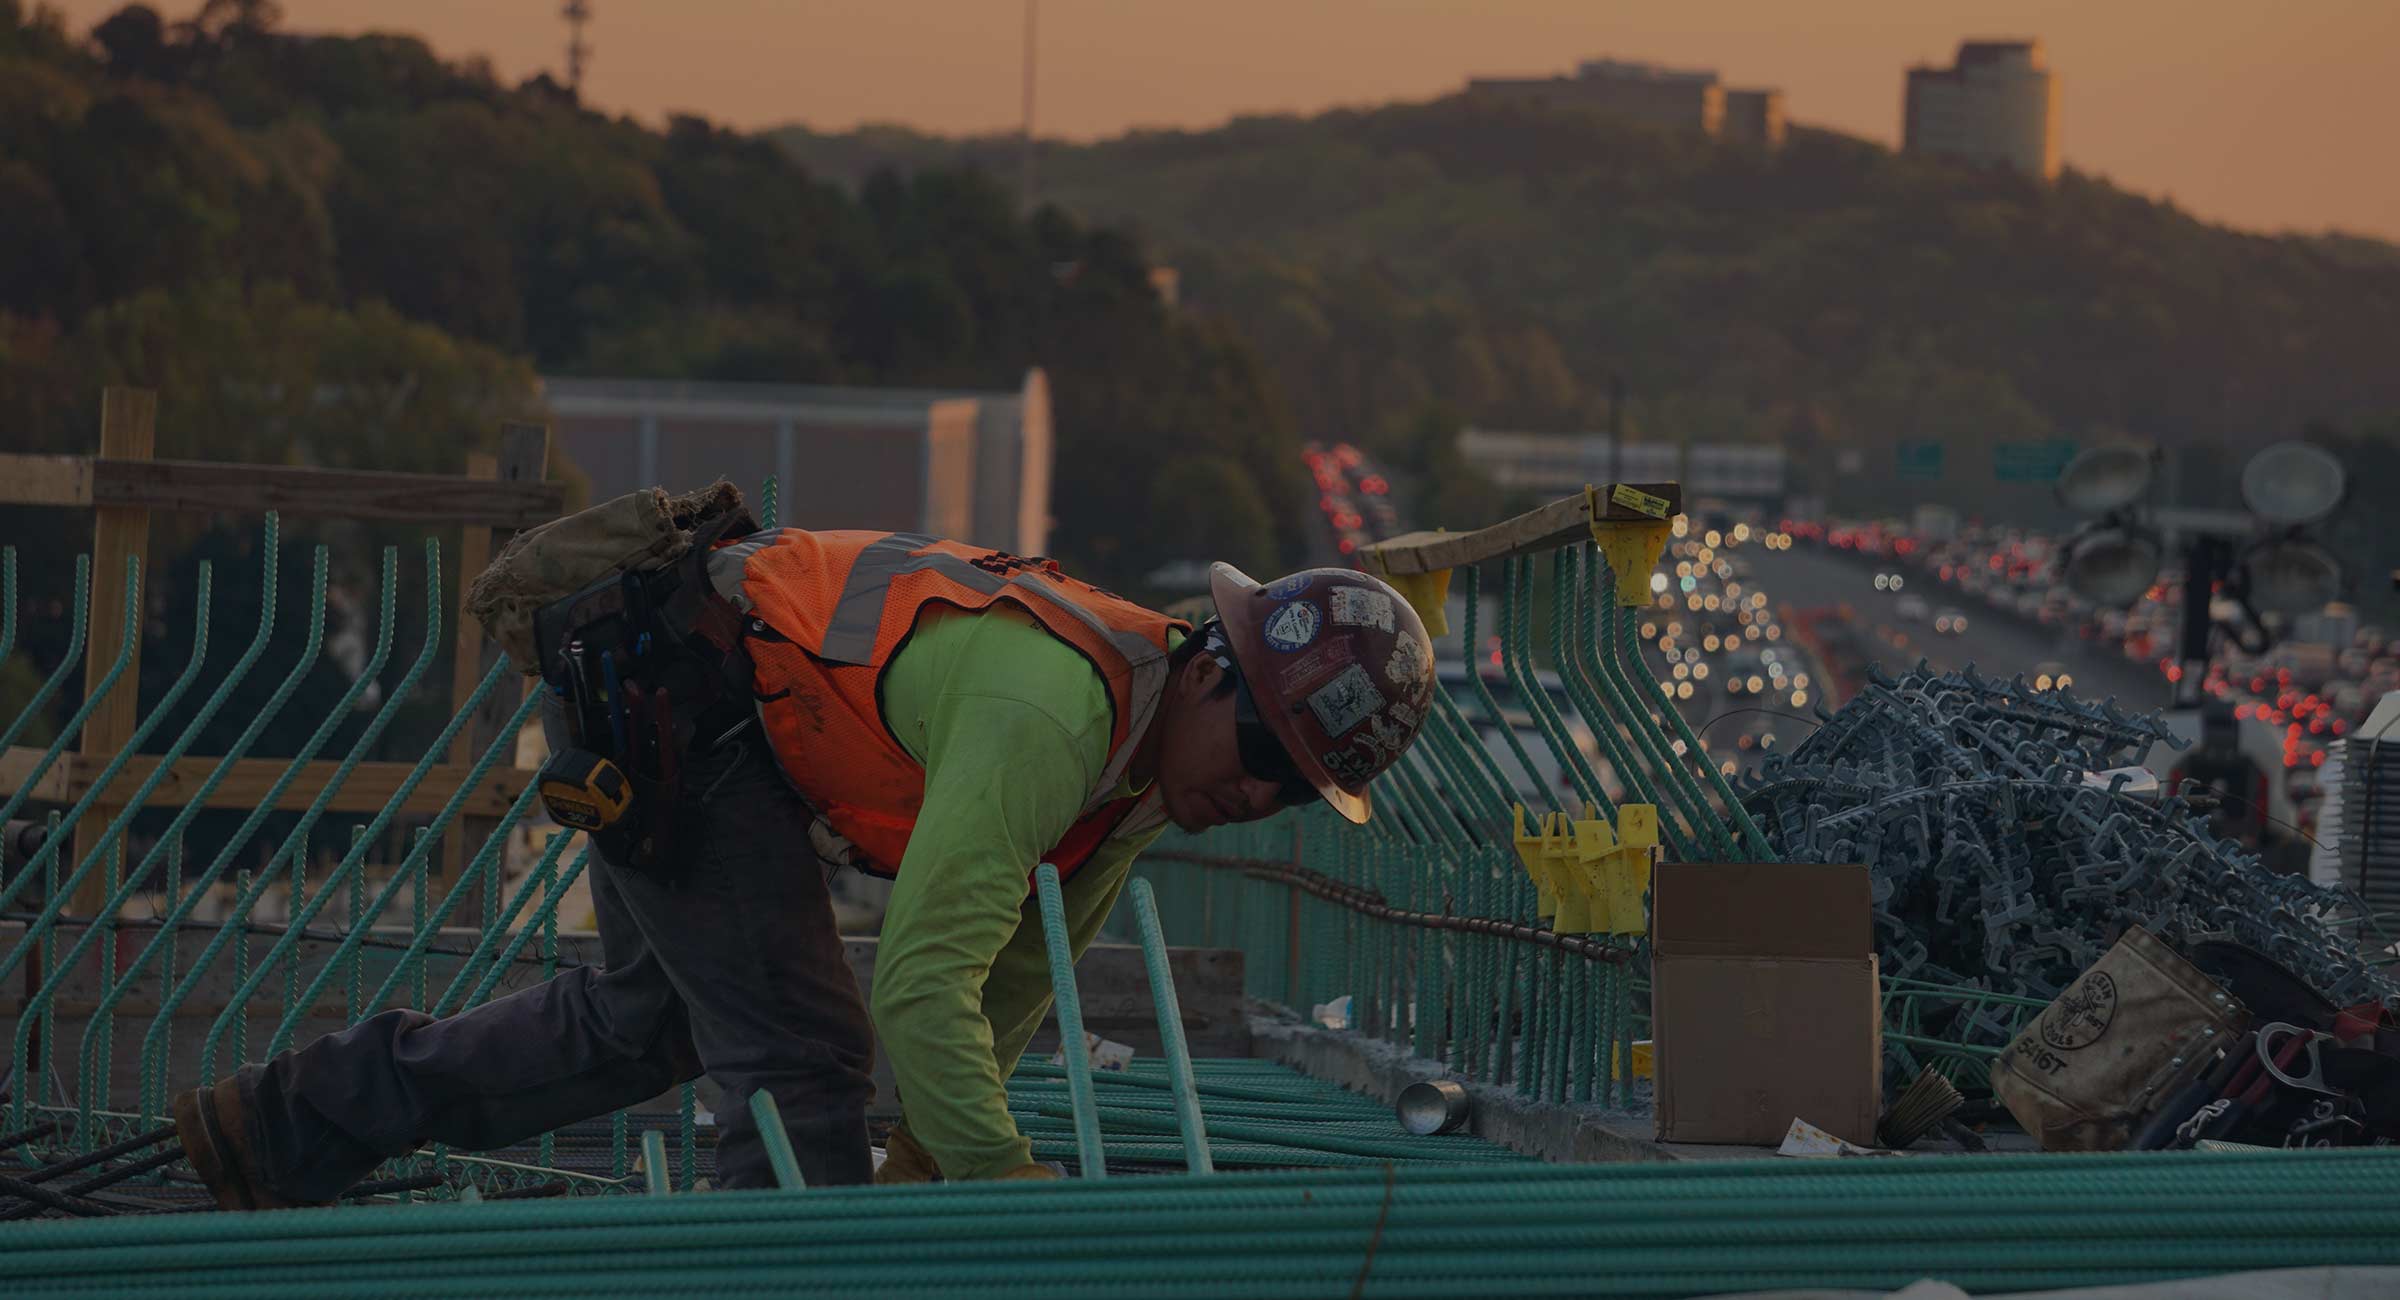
point(577, 13)
point(1025, 140)
point(1616, 428)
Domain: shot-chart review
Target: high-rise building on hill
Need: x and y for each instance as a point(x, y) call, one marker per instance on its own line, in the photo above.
point(1684, 98)
point(1997, 104)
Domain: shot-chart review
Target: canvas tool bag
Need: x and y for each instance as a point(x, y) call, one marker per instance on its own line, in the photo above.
point(639, 532)
point(2127, 1034)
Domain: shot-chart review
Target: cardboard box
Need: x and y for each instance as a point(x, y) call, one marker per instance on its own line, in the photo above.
point(1765, 1005)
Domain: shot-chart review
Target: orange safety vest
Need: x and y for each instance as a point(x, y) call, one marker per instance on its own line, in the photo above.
point(826, 611)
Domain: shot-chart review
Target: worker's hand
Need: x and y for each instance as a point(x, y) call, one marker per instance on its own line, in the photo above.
point(906, 1162)
point(1036, 1172)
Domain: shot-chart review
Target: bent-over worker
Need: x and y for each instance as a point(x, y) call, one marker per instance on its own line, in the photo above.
point(938, 713)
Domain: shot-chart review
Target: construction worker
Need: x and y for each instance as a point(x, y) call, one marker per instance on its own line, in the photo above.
point(2217, 770)
point(939, 713)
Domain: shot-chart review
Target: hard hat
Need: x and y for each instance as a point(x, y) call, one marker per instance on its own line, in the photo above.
point(1340, 666)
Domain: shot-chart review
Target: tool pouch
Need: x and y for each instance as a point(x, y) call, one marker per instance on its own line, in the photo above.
point(2128, 1033)
point(649, 662)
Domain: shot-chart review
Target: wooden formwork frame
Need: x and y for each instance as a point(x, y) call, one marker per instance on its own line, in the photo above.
point(124, 483)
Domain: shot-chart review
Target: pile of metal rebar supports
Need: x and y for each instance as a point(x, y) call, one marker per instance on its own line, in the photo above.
point(2004, 1223)
point(2009, 850)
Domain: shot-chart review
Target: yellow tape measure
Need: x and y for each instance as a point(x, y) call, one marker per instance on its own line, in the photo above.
point(584, 791)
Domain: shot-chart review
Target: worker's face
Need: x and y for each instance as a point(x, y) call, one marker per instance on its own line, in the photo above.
point(1201, 780)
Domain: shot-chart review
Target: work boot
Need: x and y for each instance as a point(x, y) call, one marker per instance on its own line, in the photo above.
point(905, 1162)
point(213, 1124)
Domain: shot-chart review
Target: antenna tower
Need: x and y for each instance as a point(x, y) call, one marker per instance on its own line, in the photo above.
point(577, 13)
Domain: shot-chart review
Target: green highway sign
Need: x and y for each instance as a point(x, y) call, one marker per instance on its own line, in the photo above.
point(1920, 460)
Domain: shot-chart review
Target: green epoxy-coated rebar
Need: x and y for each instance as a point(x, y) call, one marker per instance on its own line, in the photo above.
point(1571, 602)
point(654, 1162)
point(79, 610)
point(270, 553)
point(1749, 836)
point(129, 638)
point(111, 840)
point(544, 919)
point(496, 933)
point(1497, 1008)
point(1483, 692)
point(153, 1062)
point(1516, 661)
point(171, 835)
point(777, 1140)
point(1642, 700)
point(687, 1115)
point(1069, 1009)
point(237, 1006)
point(1170, 1028)
point(1652, 1231)
point(414, 870)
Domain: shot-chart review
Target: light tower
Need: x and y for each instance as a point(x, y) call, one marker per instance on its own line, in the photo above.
point(577, 13)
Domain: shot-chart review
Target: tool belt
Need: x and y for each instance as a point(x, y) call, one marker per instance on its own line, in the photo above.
point(649, 664)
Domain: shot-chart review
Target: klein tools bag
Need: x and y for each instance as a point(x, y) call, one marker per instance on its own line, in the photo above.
point(2138, 1027)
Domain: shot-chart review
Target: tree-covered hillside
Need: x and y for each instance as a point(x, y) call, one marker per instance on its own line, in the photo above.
point(347, 250)
point(1505, 261)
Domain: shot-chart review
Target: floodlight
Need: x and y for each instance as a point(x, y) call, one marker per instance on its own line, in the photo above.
point(2291, 576)
point(2293, 483)
point(2105, 478)
point(2112, 567)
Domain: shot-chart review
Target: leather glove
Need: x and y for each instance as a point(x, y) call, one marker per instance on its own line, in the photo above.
point(1036, 1172)
point(906, 1162)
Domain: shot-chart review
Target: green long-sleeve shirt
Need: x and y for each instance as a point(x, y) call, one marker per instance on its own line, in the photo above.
point(1012, 726)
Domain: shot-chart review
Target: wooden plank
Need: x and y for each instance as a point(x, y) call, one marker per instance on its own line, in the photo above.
point(297, 490)
point(467, 665)
point(45, 480)
point(16, 768)
point(128, 433)
point(524, 458)
point(1556, 524)
point(371, 785)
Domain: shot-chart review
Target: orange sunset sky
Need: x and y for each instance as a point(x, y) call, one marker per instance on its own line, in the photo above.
point(2269, 116)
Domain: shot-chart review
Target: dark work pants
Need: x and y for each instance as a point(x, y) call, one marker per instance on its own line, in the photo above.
point(730, 965)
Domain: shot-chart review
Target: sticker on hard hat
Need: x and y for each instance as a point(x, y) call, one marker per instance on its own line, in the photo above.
point(1359, 607)
point(1349, 766)
point(1287, 587)
point(1313, 667)
point(1291, 626)
point(1344, 702)
point(1407, 663)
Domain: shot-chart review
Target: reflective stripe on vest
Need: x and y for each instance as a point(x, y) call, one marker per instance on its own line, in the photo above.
point(858, 619)
point(854, 628)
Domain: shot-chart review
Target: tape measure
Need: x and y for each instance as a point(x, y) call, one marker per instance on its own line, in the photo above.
point(584, 791)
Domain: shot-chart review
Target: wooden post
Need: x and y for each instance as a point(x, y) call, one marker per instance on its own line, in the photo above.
point(524, 458)
point(128, 431)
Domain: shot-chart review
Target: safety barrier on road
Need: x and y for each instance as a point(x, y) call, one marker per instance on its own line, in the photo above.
point(1447, 929)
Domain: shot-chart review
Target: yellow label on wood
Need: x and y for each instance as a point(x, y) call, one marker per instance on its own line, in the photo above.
point(1633, 498)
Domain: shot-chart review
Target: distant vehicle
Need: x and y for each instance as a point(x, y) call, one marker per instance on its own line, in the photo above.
point(1913, 608)
point(2051, 675)
point(1746, 673)
point(1890, 581)
point(1949, 622)
point(1936, 523)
